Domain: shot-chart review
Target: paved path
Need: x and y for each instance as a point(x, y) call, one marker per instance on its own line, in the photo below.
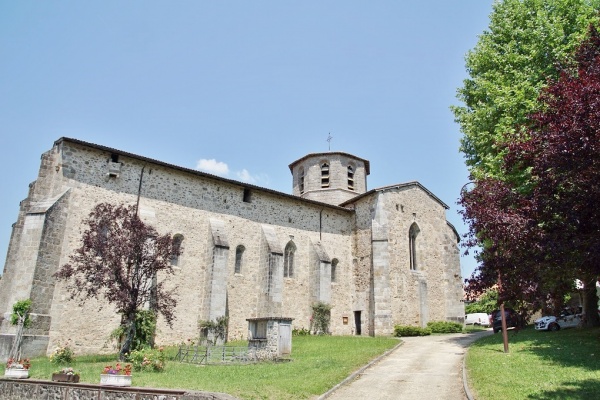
point(423, 368)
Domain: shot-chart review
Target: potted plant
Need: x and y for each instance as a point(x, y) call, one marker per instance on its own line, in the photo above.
point(65, 375)
point(117, 376)
point(17, 369)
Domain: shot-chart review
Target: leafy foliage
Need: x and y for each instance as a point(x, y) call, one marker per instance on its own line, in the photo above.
point(300, 332)
point(145, 329)
point(63, 354)
point(538, 238)
point(21, 308)
point(321, 317)
point(407, 330)
point(444, 327)
point(486, 303)
point(119, 260)
point(148, 360)
point(215, 331)
point(525, 45)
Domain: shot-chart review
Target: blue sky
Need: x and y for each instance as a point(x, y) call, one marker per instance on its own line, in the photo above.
point(239, 88)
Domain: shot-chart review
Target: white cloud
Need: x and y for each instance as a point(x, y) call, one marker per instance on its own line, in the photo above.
point(213, 167)
point(258, 180)
point(245, 176)
point(222, 169)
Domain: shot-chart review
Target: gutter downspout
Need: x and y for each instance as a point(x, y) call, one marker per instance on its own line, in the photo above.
point(137, 204)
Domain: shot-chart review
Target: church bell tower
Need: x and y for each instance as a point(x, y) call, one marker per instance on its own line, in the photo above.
point(332, 177)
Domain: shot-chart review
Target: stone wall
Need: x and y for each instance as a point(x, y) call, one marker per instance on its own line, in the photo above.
point(30, 389)
point(400, 295)
point(185, 202)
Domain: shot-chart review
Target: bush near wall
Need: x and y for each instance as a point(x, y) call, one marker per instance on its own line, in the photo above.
point(405, 330)
point(444, 327)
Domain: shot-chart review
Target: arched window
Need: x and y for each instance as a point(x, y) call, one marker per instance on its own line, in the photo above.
point(239, 254)
point(288, 260)
point(334, 264)
point(325, 175)
point(301, 180)
point(177, 239)
point(413, 232)
point(350, 177)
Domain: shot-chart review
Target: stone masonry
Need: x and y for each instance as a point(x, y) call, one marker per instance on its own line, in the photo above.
point(289, 242)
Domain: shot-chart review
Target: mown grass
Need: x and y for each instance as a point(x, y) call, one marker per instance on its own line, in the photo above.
point(539, 365)
point(317, 364)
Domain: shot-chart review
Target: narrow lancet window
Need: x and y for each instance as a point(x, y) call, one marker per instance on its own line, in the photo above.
point(413, 232)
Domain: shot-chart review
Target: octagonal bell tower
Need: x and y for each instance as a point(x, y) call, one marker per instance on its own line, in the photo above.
point(332, 177)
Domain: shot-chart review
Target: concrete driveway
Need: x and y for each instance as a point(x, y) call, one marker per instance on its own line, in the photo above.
point(422, 368)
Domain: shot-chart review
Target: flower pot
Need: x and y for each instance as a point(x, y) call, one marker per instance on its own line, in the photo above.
point(115, 380)
point(16, 373)
point(65, 378)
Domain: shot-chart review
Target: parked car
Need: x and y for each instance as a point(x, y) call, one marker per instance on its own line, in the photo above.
point(477, 319)
point(513, 319)
point(568, 318)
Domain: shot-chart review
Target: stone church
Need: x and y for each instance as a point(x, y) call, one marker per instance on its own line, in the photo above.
point(378, 257)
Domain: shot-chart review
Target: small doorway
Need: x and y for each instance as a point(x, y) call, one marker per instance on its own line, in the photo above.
point(357, 322)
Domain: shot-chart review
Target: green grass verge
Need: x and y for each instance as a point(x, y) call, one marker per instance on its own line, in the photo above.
point(539, 365)
point(318, 363)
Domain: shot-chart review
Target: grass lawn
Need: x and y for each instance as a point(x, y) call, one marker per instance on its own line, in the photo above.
point(318, 363)
point(539, 365)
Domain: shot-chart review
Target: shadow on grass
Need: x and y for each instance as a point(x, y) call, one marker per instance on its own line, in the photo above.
point(570, 359)
point(570, 347)
point(581, 390)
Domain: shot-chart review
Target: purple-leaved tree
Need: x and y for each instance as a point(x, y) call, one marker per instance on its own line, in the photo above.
point(540, 230)
point(119, 260)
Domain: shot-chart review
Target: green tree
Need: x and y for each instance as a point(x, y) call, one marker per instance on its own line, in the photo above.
point(526, 44)
point(486, 303)
point(540, 238)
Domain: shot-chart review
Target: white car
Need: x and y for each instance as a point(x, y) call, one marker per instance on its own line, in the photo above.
point(477, 319)
point(567, 319)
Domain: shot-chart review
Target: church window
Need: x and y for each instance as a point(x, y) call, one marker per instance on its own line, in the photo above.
point(334, 264)
point(413, 232)
point(325, 175)
point(239, 254)
point(301, 180)
point(247, 195)
point(177, 239)
point(114, 158)
point(350, 177)
point(288, 260)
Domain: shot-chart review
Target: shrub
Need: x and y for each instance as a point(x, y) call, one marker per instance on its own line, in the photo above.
point(21, 308)
point(214, 331)
point(444, 327)
point(321, 317)
point(300, 332)
point(145, 328)
point(405, 330)
point(148, 360)
point(62, 354)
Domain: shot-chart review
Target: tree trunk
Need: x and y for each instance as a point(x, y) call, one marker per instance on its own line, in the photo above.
point(590, 304)
point(129, 335)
